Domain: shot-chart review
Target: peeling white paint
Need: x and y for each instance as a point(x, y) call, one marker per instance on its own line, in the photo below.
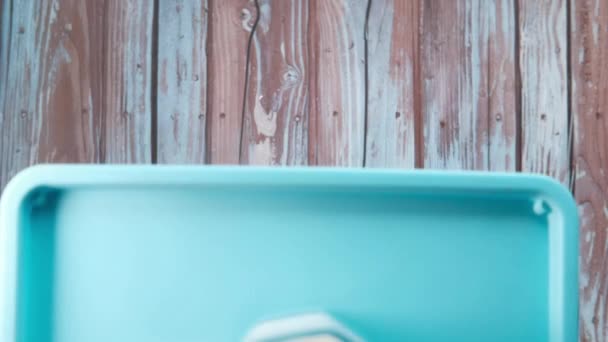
point(55, 7)
point(265, 16)
point(263, 152)
point(267, 143)
point(245, 18)
point(265, 122)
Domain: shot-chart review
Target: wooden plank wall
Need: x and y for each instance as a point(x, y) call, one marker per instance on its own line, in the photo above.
point(500, 85)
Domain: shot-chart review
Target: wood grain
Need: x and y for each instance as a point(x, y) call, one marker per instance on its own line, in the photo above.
point(589, 53)
point(544, 80)
point(337, 85)
point(80, 83)
point(128, 81)
point(182, 79)
point(230, 24)
point(393, 66)
point(468, 100)
point(276, 111)
point(46, 112)
point(502, 88)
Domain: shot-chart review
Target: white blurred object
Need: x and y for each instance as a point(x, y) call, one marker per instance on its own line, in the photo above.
point(313, 327)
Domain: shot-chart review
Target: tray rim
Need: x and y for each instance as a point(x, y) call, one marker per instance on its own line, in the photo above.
point(563, 318)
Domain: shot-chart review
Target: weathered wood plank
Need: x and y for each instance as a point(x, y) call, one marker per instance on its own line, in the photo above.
point(128, 81)
point(80, 83)
point(544, 80)
point(182, 78)
point(589, 53)
point(393, 66)
point(46, 56)
point(502, 88)
point(337, 121)
point(276, 112)
point(230, 24)
point(468, 103)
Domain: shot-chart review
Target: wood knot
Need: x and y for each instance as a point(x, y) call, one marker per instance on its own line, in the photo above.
point(201, 116)
point(442, 124)
point(598, 115)
point(291, 76)
point(23, 114)
point(21, 30)
point(195, 78)
point(543, 116)
point(397, 115)
point(335, 113)
point(222, 115)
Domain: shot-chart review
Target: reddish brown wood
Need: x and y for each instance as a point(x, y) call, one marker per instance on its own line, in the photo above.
point(468, 85)
point(80, 83)
point(393, 63)
point(182, 79)
point(589, 39)
point(47, 113)
point(544, 96)
point(337, 85)
point(230, 27)
point(276, 112)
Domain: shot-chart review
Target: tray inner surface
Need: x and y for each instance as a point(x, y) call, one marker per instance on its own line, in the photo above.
point(172, 263)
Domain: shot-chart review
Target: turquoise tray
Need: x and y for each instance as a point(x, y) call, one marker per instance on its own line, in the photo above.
point(153, 253)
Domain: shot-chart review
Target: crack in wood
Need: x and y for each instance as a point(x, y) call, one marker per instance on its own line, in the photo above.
point(246, 85)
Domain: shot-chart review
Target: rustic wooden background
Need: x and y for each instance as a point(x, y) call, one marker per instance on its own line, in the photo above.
point(501, 85)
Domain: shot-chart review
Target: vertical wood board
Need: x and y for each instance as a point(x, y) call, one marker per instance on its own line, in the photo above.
point(468, 104)
point(182, 79)
point(393, 62)
point(276, 111)
point(589, 53)
point(230, 25)
point(337, 85)
point(502, 89)
point(544, 81)
point(128, 81)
